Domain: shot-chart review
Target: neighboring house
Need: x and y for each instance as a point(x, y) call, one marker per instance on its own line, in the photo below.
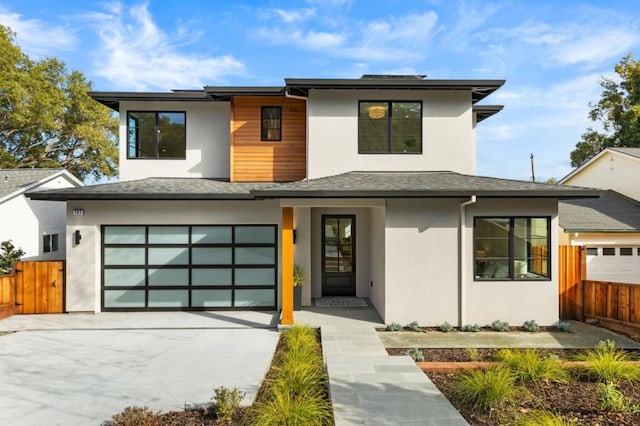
point(36, 227)
point(609, 226)
point(369, 184)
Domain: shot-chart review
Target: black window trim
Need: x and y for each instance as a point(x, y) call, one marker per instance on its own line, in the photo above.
point(262, 137)
point(156, 112)
point(50, 243)
point(512, 276)
point(389, 134)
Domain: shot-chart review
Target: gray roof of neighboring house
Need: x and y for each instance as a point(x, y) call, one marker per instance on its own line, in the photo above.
point(13, 180)
point(612, 212)
point(634, 152)
point(416, 184)
point(155, 189)
point(346, 185)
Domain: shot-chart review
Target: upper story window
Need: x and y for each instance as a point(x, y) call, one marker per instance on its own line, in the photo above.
point(49, 243)
point(390, 127)
point(156, 134)
point(512, 248)
point(271, 127)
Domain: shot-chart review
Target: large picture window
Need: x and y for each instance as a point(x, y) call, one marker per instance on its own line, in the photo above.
point(390, 127)
point(271, 128)
point(512, 248)
point(156, 134)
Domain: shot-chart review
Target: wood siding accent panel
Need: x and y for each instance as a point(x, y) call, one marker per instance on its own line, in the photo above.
point(254, 160)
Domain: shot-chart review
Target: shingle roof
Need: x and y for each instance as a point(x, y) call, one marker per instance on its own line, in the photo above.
point(155, 189)
point(13, 180)
point(612, 212)
point(634, 152)
point(416, 184)
point(346, 185)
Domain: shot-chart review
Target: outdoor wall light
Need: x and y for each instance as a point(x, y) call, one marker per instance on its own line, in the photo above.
point(77, 237)
point(294, 236)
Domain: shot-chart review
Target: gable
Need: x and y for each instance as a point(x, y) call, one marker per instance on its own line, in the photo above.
point(14, 182)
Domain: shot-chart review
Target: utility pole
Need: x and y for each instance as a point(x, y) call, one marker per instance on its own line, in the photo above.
point(533, 171)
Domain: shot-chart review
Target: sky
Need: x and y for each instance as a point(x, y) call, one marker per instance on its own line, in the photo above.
point(552, 54)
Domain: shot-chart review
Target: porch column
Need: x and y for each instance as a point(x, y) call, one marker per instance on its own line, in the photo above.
point(287, 266)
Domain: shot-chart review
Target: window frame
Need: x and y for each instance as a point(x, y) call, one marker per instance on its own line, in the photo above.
point(512, 258)
point(389, 119)
point(50, 243)
point(157, 140)
point(264, 131)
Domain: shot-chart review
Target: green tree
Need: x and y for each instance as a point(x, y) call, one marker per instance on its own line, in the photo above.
point(47, 118)
point(618, 112)
point(9, 254)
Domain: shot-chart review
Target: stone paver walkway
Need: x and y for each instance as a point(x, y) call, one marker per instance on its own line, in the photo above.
point(367, 386)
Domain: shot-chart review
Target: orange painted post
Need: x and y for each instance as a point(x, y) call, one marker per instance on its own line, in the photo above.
point(287, 266)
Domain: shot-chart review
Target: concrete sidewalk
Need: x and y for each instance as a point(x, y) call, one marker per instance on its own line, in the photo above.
point(367, 386)
point(82, 369)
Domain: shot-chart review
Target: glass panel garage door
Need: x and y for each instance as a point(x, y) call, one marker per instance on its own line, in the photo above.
point(189, 267)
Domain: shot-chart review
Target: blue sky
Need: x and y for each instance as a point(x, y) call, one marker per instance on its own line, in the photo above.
point(552, 53)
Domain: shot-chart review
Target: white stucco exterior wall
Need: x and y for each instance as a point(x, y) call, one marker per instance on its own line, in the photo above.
point(83, 275)
point(421, 261)
point(448, 133)
point(25, 221)
point(208, 135)
point(612, 170)
point(377, 255)
point(302, 248)
point(511, 301)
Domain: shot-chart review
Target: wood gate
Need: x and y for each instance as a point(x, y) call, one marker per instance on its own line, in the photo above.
point(39, 287)
point(571, 272)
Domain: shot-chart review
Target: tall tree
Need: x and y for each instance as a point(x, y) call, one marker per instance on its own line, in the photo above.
point(47, 118)
point(618, 112)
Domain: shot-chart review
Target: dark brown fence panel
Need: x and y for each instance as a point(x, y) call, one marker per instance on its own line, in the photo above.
point(612, 301)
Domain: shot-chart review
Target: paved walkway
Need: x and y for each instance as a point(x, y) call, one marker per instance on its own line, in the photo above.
point(81, 369)
point(367, 386)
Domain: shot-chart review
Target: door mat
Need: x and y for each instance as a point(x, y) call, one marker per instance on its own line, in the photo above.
point(341, 302)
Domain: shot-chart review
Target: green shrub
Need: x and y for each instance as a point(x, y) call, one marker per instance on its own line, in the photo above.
point(136, 416)
point(415, 354)
point(473, 328)
point(611, 399)
point(543, 418)
point(486, 388)
point(413, 326)
point(282, 408)
point(564, 326)
point(607, 364)
point(498, 325)
point(473, 353)
point(299, 378)
point(394, 326)
point(531, 326)
point(9, 254)
point(529, 366)
point(227, 401)
point(445, 327)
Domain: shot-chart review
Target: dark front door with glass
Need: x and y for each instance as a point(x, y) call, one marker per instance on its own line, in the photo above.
point(338, 255)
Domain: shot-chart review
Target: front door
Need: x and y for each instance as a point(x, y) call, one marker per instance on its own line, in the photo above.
point(338, 255)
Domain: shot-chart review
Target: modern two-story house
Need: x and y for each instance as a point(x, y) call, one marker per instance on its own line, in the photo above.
point(369, 184)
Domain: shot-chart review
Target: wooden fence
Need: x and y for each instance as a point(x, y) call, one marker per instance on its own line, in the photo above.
point(612, 301)
point(39, 287)
point(7, 295)
point(571, 270)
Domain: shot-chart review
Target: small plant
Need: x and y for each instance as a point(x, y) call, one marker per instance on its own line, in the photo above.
point(529, 366)
point(227, 402)
point(415, 354)
point(445, 327)
point(611, 399)
point(543, 418)
point(413, 326)
point(9, 254)
point(531, 326)
point(486, 389)
point(136, 416)
point(282, 408)
point(394, 326)
point(607, 364)
point(473, 328)
point(298, 275)
point(473, 353)
point(498, 325)
point(564, 326)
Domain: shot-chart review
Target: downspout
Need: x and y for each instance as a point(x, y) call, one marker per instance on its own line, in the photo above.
point(462, 260)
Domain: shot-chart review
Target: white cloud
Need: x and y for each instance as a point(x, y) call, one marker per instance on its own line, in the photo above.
point(138, 55)
point(37, 37)
point(290, 16)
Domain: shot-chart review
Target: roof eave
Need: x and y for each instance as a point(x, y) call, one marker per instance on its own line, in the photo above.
point(56, 196)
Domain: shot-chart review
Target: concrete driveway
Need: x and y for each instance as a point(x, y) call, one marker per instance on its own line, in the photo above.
point(81, 369)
